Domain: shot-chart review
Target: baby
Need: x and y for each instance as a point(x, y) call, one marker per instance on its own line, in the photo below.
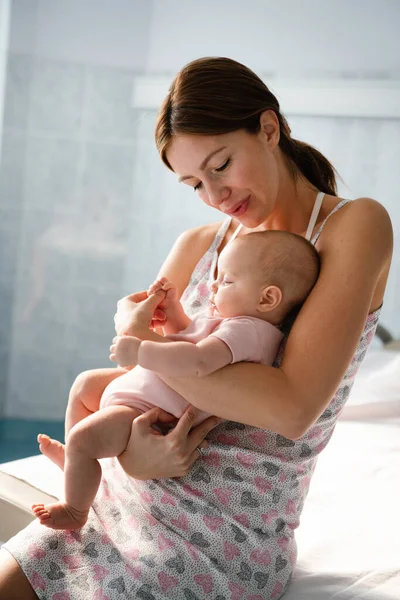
point(262, 277)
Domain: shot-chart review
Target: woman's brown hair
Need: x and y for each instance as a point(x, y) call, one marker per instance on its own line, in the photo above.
point(216, 95)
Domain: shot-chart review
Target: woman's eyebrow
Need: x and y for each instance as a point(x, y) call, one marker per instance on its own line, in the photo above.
point(203, 164)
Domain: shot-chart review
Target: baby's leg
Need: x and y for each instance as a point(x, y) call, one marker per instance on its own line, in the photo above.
point(86, 392)
point(101, 435)
point(84, 400)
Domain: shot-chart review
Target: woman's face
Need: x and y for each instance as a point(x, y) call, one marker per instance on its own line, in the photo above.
point(236, 173)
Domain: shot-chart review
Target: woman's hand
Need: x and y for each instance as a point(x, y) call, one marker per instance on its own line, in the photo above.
point(152, 455)
point(138, 311)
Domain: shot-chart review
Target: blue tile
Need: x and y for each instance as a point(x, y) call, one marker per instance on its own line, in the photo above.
point(18, 437)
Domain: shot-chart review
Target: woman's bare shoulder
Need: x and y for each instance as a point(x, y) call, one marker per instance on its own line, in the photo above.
point(200, 236)
point(357, 217)
point(186, 252)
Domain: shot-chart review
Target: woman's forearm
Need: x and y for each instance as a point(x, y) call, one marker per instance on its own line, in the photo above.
point(249, 393)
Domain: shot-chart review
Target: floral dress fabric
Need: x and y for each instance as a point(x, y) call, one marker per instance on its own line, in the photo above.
point(223, 532)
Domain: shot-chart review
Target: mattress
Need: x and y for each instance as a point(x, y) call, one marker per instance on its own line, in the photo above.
point(349, 535)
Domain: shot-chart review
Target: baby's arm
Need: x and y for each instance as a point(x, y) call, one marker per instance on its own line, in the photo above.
point(176, 359)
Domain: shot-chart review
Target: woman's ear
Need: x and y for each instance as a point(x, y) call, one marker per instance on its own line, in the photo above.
point(270, 299)
point(269, 125)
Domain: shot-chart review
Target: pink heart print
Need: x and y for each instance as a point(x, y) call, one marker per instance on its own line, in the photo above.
point(230, 551)
point(100, 572)
point(72, 561)
point(270, 516)
point(213, 459)
point(168, 499)
point(237, 591)
point(194, 553)
point(72, 536)
point(181, 522)
point(213, 523)
point(315, 432)
point(283, 543)
point(191, 491)
point(203, 290)
point(259, 438)
point(246, 460)
point(152, 521)
point(223, 495)
point(290, 507)
point(277, 591)
point(262, 484)
point(260, 557)
point(242, 518)
point(133, 522)
point(37, 581)
point(132, 554)
point(230, 440)
point(166, 582)
point(61, 596)
point(164, 543)
point(36, 552)
point(134, 571)
point(146, 497)
point(205, 581)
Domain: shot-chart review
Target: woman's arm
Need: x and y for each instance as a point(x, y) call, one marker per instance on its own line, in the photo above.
point(355, 249)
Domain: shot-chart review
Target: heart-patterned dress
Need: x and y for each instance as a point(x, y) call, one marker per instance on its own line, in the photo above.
point(224, 532)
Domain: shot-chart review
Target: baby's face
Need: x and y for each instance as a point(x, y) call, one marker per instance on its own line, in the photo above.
point(238, 288)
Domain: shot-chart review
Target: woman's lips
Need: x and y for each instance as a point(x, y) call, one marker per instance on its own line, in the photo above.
point(241, 209)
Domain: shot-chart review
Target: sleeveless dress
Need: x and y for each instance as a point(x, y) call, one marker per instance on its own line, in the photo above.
point(224, 532)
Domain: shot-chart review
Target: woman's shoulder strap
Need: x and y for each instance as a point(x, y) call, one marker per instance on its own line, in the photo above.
point(337, 207)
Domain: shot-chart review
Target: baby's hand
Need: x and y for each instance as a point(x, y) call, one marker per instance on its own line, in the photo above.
point(124, 350)
point(171, 294)
point(166, 286)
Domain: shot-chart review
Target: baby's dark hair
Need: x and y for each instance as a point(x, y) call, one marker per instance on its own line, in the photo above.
point(288, 261)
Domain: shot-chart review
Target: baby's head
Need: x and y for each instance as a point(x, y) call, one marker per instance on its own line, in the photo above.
point(265, 274)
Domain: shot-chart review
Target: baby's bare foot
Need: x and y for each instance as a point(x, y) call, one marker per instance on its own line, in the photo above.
point(53, 449)
point(60, 515)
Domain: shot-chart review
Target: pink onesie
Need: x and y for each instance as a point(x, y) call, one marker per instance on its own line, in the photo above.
point(249, 339)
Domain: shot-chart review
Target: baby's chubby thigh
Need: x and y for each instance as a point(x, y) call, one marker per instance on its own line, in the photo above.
point(104, 434)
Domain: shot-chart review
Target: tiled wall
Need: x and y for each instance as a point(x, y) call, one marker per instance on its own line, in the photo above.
point(88, 213)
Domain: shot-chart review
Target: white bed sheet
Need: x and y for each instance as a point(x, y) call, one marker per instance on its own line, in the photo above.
point(349, 536)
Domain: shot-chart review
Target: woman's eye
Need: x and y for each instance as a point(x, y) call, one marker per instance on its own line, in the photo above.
point(224, 166)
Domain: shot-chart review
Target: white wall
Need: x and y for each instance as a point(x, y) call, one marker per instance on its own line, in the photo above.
point(288, 36)
point(106, 32)
point(88, 212)
point(4, 27)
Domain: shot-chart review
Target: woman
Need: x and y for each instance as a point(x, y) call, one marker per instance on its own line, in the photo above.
point(226, 527)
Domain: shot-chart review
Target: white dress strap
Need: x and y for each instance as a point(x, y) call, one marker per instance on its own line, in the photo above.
point(234, 234)
point(314, 214)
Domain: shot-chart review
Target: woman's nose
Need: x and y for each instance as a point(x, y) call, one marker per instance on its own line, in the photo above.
point(217, 194)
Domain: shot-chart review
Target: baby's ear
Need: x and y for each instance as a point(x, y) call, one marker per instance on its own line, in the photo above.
point(270, 299)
